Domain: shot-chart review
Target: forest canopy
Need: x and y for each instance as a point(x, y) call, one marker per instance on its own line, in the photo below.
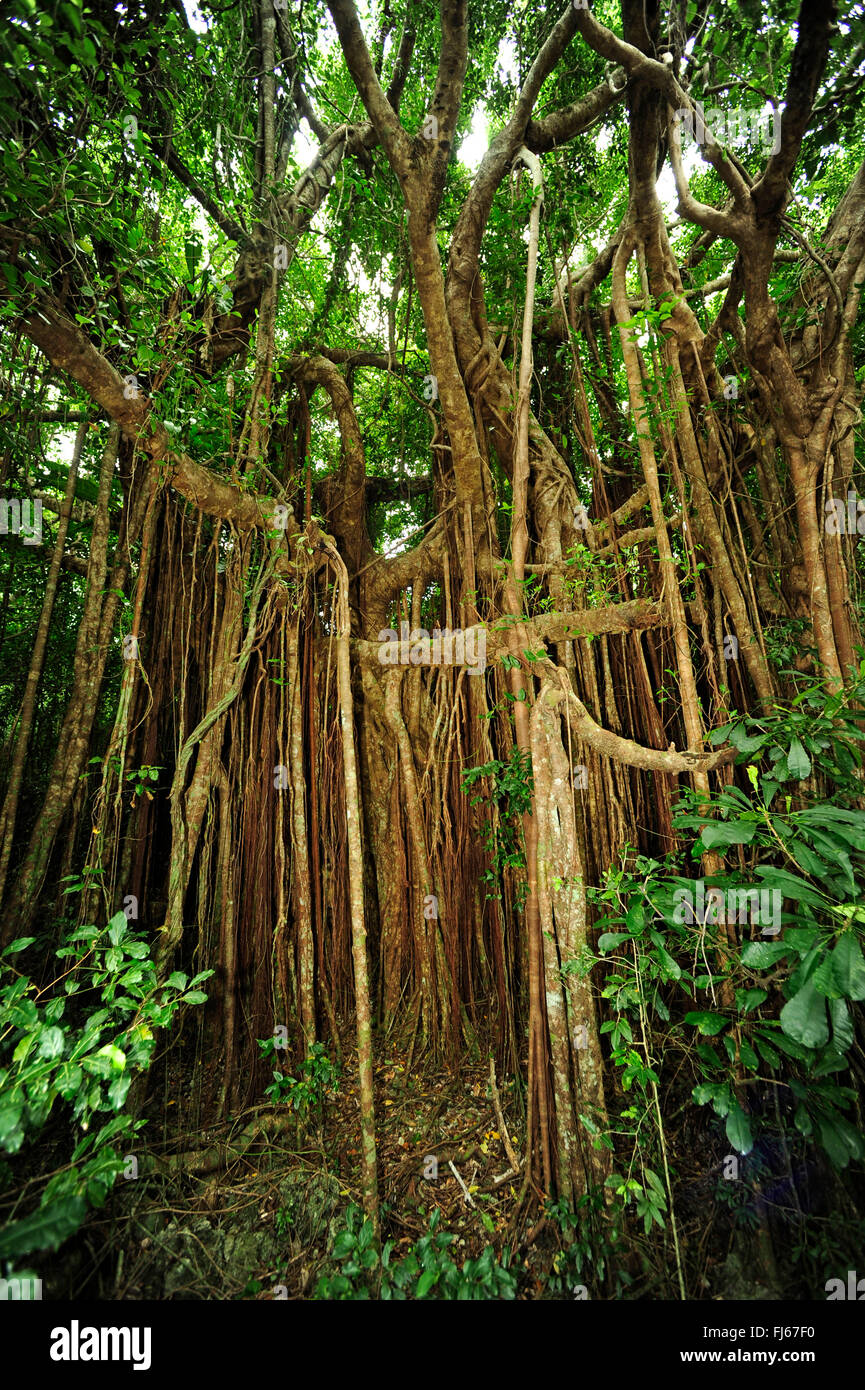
point(432, 688)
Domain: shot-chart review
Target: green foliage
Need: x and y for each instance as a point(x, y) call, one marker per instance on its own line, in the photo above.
point(319, 1077)
point(140, 776)
point(73, 1046)
point(511, 787)
point(738, 1197)
point(425, 1272)
point(819, 726)
point(591, 1234)
point(795, 983)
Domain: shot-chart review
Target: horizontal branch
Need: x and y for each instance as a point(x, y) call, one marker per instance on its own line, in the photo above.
point(68, 349)
point(636, 615)
point(625, 750)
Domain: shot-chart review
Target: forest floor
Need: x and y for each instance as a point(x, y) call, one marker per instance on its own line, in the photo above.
point(256, 1205)
point(252, 1208)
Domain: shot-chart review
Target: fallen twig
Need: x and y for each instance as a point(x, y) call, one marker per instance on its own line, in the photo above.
point(466, 1193)
point(503, 1129)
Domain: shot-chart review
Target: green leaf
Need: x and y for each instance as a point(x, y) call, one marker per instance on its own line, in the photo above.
point(23, 1047)
point(792, 1049)
point(19, 944)
point(708, 1055)
point(848, 967)
point(51, 1042)
point(718, 1092)
point(46, 1229)
point(114, 1056)
point(425, 1282)
point(117, 928)
point(739, 1130)
point(611, 939)
point(807, 859)
point(759, 955)
point(798, 762)
point(747, 999)
point(119, 1089)
point(768, 1053)
point(840, 1140)
point(792, 886)
point(707, 1023)
point(11, 1133)
point(669, 967)
point(343, 1245)
point(824, 981)
point(746, 743)
point(842, 1024)
point(724, 833)
point(803, 1018)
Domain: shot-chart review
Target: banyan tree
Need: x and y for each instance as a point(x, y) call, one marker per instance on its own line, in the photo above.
point(430, 415)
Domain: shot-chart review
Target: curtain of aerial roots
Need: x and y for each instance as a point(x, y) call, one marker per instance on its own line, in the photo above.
point(64, 804)
point(316, 847)
point(447, 954)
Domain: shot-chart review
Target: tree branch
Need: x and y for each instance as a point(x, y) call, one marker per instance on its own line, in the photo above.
point(816, 22)
point(453, 59)
point(561, 126)
point(359, 63)
point(625, 750)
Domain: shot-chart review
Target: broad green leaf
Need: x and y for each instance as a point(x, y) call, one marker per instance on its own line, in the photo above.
point(803, 1018)
point(51, 1042)
point(798, 762)
point(11, 1132)
point(842, 1025)
point(748, 999)
point(609, 940)
point(343, 1245)
point(46, 1229)
point(114, 1055)
point(117, 928)
point(739, 1130)
point(746, 743)
point(840, 1140)
point(792, 886)
point(824, 981)
point(707, 1023)
point(19, 944)
point(727, 833)
point(848, 967)
point(759, 955)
